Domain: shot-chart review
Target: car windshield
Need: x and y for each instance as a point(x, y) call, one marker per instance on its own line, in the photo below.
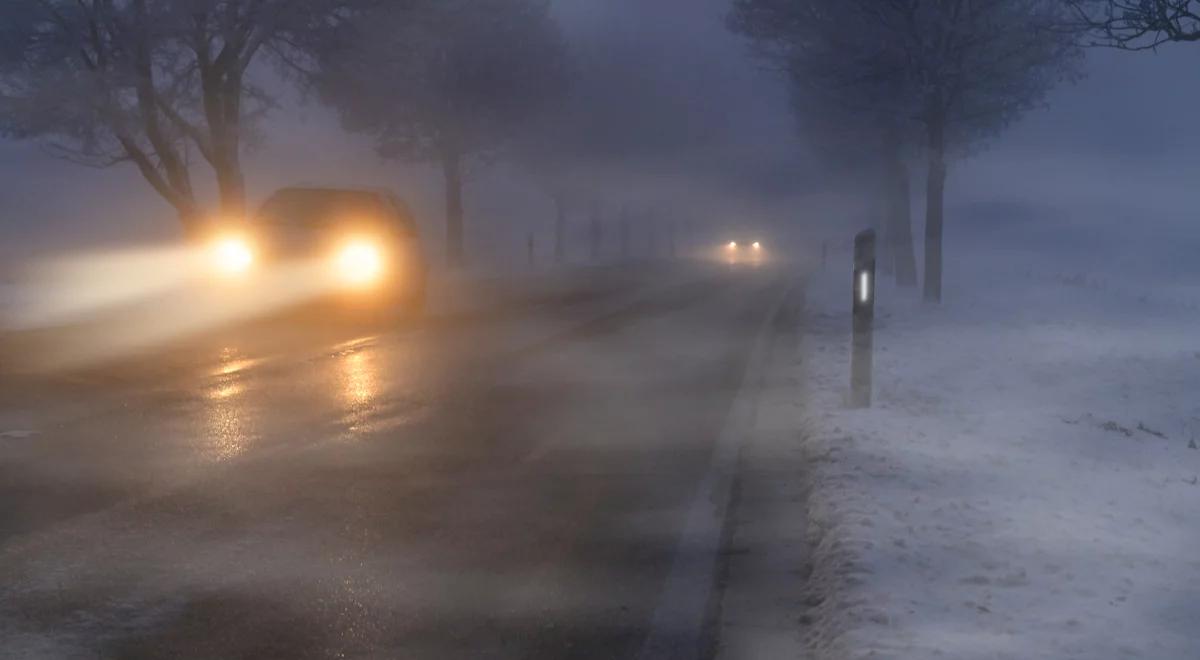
point(318, 208)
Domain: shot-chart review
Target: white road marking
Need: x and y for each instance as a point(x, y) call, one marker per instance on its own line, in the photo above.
point(677, 629)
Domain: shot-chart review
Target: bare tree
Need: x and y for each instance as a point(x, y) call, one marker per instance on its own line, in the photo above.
point(214, 44)
point(81, 76)
point(852, 95)
point(1138, 24)
point(102, 82)
point(978, 65)
point(961, 70)
point(450, 81)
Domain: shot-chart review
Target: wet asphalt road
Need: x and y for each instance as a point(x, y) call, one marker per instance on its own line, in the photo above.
point(503, 484)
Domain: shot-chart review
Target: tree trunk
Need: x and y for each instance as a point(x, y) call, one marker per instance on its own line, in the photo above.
point(193, 223)
point(935, 206)
point(231, 187)
point(452, 171)
point(560, 229)
point(176, 193)
point(903, 252)
point(165, 166)
point(230, 182)
point(898, 251)
point(221, 96)
point(884, 225)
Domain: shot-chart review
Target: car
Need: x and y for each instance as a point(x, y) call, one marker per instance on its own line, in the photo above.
point(362, 244)
point(751, 250)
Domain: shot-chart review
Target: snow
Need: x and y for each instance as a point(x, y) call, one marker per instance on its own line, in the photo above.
point(1026, 484)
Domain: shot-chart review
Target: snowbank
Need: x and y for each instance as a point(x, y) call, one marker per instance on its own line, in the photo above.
point(1026, 485)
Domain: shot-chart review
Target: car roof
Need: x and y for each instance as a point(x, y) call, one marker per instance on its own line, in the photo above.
point(307, 205)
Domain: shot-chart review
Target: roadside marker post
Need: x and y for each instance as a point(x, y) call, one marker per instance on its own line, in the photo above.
point(863, 312)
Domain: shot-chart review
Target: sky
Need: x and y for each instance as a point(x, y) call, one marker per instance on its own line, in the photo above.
point(1120, 144)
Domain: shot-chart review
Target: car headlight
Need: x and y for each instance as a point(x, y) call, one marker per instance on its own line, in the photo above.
point(232, 255)
point(757, 245)
point(732, 245)
point(360, 263)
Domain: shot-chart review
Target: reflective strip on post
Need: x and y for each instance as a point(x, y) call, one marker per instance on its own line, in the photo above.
point(863, 312)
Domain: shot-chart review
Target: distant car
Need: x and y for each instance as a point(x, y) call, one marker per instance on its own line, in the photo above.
point(750, 250)
point(362, 244)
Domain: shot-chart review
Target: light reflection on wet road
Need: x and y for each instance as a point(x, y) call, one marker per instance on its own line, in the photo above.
point(359, 373)
point(226, 433)
point(505, 487)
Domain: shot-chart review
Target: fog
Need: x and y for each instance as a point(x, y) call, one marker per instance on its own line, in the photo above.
point(688, 126)
point(1119, 141)
point(705, 427)
point(1114, 148)
point(703, 118)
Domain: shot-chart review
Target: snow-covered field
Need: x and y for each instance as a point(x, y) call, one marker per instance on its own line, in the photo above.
point(1027, 484)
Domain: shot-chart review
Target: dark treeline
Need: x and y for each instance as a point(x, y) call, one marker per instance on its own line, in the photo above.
point(883, 82)
point(885, 91)
point(150, 82)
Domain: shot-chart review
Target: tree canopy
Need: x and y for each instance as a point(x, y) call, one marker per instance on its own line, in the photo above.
point(449, 81)
point(953, 71)
point(102, 82)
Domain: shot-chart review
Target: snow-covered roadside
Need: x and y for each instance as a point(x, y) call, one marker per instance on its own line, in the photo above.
point(1026, 485)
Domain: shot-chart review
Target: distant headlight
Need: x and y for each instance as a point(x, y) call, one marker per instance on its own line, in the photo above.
point(757, 245)
point(732, 245)
point(360, 263)
point(232, 255)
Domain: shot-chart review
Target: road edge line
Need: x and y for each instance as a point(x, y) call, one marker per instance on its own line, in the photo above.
point(684, 611)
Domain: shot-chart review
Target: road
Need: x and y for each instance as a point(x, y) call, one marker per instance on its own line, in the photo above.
point(510, 483)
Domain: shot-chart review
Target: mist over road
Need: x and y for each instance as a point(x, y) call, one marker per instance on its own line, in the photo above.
point(509, 482)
